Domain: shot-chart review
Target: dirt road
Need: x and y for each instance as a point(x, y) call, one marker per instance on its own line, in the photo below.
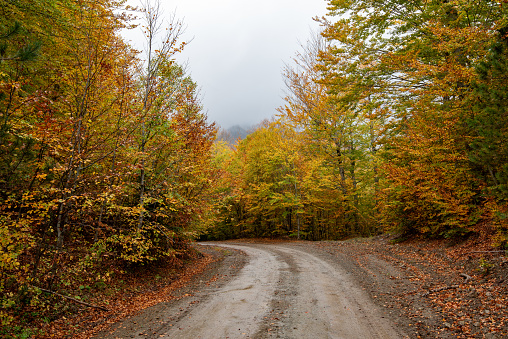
point(283, 291)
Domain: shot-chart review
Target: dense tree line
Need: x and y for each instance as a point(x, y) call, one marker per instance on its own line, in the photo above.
point(396, 120)
point(104, 152)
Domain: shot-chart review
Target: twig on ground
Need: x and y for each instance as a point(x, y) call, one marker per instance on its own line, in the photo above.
point(73, 299)
point(440, 289)
point(466, 277)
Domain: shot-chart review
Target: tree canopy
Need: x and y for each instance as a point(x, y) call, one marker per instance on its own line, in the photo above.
point(397, 113)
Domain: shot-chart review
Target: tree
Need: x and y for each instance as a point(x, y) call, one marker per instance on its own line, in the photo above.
point(488, 123)
point(407, 64)
point(156, 57)
point(341, 134)
point(83, 120)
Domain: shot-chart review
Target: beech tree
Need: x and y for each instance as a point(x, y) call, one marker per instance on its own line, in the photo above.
point(400, 109)
point(342, 135)
point(411, 64)
point(103, 165)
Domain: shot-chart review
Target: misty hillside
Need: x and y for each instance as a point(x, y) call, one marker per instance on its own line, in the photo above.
point(232, 134)
point(237, 132)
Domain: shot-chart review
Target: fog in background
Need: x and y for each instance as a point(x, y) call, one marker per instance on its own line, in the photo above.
point(238, 50)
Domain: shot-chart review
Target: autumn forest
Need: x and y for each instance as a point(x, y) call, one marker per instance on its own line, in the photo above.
point(395, 122)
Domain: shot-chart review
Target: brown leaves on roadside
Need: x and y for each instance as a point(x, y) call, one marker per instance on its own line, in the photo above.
point(139, 291)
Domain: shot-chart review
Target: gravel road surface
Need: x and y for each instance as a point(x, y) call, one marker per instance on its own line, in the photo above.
point(282, 291)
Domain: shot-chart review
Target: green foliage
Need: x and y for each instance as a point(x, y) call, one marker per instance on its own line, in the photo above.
point(274, 186)
point(401, 120)
point(149, 244)
point(409, 70)
point(489, 119)
point(26, 52)
point(71, 117)
point(485, 266)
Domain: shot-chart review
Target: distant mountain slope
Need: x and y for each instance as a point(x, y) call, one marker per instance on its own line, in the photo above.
point(237, 132)
point(232, 134)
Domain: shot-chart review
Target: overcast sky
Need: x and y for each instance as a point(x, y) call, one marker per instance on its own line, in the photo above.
point(238, 50)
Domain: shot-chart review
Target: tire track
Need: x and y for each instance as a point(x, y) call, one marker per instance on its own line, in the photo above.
point(331, 305)
point(238, 309)
point(282, 292)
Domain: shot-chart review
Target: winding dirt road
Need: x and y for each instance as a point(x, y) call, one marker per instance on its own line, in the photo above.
point(282, 292)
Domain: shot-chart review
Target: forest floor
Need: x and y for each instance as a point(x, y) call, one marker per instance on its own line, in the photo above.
point(425, 289)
